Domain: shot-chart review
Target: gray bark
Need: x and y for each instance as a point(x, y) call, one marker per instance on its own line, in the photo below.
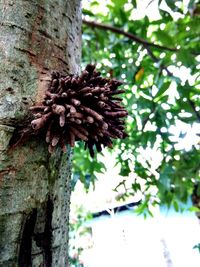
point(36, 37)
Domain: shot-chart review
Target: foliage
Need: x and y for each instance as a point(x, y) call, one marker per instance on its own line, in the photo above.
point(77, 235)
point(162, 95)
point(197, 247)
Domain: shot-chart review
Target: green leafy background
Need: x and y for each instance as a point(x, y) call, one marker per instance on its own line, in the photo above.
point(159, 95)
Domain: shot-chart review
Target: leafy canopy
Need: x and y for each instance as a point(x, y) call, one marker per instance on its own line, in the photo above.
point(160, 69)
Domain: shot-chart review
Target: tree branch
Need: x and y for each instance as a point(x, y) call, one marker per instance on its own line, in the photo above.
point(131, 36)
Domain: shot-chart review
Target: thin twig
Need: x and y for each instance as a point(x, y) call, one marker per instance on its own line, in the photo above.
point(156, 59)
point(149, 3)
point(192, 104)
point(128, 34)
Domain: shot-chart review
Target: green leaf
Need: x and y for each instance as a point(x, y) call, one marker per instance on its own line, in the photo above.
point(94, 3)
point(134, 3)
point(171, 3)
point(197, 247)
point(87, 12)
point(176, 206)
point(119, 3)
point(164, 38)
point(125, 170)
point(161, 91)
point(194, 209)
point(185, 57)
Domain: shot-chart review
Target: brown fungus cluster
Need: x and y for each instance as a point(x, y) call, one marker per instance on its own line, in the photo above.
point(85, 107)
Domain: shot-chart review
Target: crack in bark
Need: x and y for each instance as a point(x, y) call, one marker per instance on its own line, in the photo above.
point(48, 233)
point(25, 259)
point(26, 51)
point(14, 25)
point(43, 239)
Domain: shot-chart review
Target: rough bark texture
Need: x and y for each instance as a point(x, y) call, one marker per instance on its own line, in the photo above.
point(35, 37)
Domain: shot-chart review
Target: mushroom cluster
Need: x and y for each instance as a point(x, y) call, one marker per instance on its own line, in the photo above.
point(85, 107)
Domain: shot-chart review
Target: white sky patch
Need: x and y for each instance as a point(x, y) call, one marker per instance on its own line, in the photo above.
point(183, 73)
point(173, 93)
point(106, 62)
point(188, 133)
point(151, 11)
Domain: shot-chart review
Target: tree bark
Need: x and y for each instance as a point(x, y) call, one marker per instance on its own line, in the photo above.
point(36, 37)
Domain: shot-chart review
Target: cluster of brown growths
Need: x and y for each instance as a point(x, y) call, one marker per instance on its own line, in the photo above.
point(85, 107)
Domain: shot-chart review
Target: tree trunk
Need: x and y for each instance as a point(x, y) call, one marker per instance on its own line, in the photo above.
point(36, 37)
